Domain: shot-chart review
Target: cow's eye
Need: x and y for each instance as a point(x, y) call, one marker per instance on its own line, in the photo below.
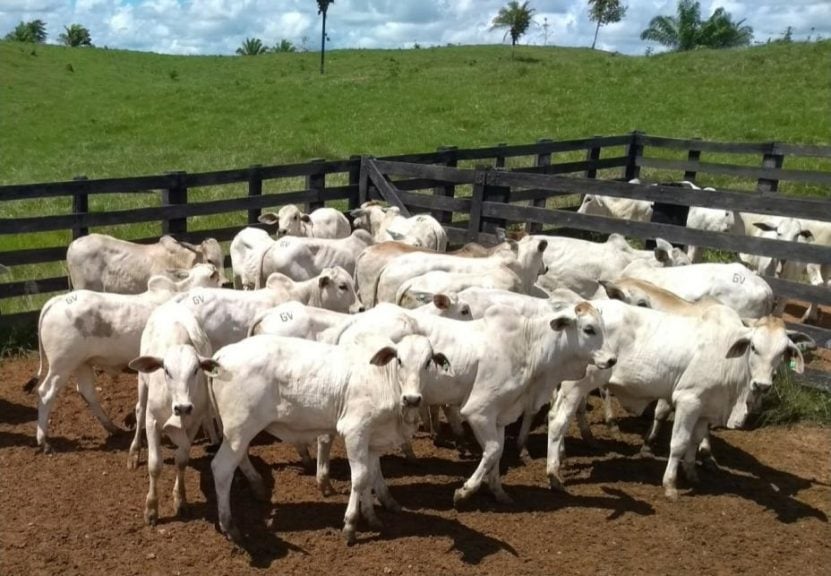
point(342, 286)
point(753, 349)
point(589, 330)
point(465, 311)
point(643, 304)
point(398, 360)
point(295, 217)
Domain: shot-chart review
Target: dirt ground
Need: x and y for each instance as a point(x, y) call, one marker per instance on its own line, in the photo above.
point(79, 511)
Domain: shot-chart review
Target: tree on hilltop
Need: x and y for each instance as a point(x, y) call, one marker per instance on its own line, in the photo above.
point(322, 9)
point(605, 12)
point(686, 30)
point(252, 47)
point(284, 46)
point(515, 18)
point(75, 35)
point(32, 31)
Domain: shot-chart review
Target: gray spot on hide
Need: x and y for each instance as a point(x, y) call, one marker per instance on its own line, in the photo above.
point(92, 325)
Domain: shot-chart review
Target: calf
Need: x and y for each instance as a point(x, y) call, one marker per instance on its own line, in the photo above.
point(105, 264)
point(303, 258)
point(386, 223)
point(321, 223)
point(85, 329)
point(701, 365)
point(247, 249)
point(298, 390)
point(175, 356)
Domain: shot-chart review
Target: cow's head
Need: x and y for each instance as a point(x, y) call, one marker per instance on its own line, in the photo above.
point(444, 305)
point(290, 221)
point(370, 216)
point(786, 229)
point(416, 366)
point(764, 345)
point(529, 254)
point(668, 255)
point(627, 292)
point(583, 326)
point(337, 291)
point(184, 380)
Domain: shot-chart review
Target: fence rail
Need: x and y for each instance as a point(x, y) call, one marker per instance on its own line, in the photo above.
point(432, 181)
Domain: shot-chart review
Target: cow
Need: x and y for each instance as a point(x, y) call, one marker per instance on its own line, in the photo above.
point(173, 395)
point(372, 260)
point(321, 223)
point(297, 390)
point(86, 329)
point(105, 264)
point(409, 294)
point(526, 263)
point(785, 229)
point(303, 258)
point(387, 223)
point(247, 250)
point(227, 315)
point(705, 366)
point(731, 284)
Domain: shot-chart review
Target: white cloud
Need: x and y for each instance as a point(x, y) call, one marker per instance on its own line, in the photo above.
point(219, 26)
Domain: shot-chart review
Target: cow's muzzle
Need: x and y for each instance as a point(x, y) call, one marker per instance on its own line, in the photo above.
point(761, 387)
point(182, 409)
point(411, 400)
point(604, 360)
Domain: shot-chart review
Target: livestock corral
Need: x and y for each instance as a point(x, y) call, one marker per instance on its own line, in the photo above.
point(434, 335)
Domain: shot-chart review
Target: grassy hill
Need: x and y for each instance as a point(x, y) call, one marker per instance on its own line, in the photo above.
point(109, 113)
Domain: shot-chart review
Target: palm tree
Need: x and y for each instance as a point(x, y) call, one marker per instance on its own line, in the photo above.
point(75, 35)
point(605, 12)
point(32, 31)
point(252, 47)
point(516, 18)
point(686, 31)
point(322, 9)
point(284, 46)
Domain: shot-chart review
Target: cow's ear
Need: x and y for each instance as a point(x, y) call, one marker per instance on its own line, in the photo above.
point(739, 347)
point(613, 291)
point(793, 353)
point(383, 356)
point(764, 226)
point(324, 280)
point(268, 218)
point(807, 234)
point(443, 363)
point(306, 218)
point(542, 245)
point(213, 369)
point(662, 251)
point(161, 283)
point(801, 340)
point(441, 301)
point(146, 364)
point(563, 319)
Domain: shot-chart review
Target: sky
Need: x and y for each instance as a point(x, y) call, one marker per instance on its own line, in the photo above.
point(220, 26)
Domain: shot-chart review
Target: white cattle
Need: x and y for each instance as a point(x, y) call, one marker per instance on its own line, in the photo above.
point(372, 261)
point(303, 258)
point(580, 264)
point(480, 299)
point(298, 390)
point(709, 368)
point(386, 223)
point(321, 223)
point(527, 264)
point(410, 293)
point(173, 395)
point(227, 315)
point(785, 229)
point(247, 250)
point(105, 264)
point(732, 284)
point(86, 329)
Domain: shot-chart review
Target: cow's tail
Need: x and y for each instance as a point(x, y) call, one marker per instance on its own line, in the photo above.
point(34, 380)
point(259, 281)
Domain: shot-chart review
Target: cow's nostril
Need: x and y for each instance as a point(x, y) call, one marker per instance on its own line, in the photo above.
point(412, 400)
point(183, 409)
point(361, 309)
point(612, 362)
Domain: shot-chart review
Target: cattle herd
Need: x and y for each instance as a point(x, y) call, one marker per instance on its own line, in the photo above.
point(370, 329)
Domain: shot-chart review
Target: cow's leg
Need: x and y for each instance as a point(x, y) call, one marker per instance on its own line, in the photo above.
point(141, 411)
point(454, 419)
point(662, 411)
point(524, 431)
point(357, 451)
point(568, 401)
point(86, 386)
point(485, 430)
point(303, 451)
point(367, 502)
point(324, 447)
point(154, 468)
point(608, 412)
point(233, 449)
point(694, 254)
point(494, 479)
point(382, 491)
point(706, 452)
point(407, 449)
point(255, 479)
point(180, 501)
point(582, 422)
point(47, 393)
point(699, 432)
point(686, 418)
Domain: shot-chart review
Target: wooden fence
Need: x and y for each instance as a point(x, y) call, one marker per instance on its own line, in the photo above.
point(470, 202)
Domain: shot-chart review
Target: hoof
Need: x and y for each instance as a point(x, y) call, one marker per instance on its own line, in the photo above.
point(326, 488)
point(671, 494)
point(460, 496)
point(349, 536)
point(151, 517)
point(556, 483)
point(647, 452)
point(392, 506)
point(132, 461)
point(232, 533)
point(710, 464)
point(46, 448)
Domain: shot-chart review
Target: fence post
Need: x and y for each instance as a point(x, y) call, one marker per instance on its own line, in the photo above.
point(480, 177)
point(317, 182)
point(770, 160)
point(495, 194)
point(363, 180)
point(354, 180)
point(542, 159)
point(499, 161)
point(694, 155)
point(448, 190)
point(255, 188)
point(80, 205)
point(175, 195)
point(634, 152)
point(592, 154)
